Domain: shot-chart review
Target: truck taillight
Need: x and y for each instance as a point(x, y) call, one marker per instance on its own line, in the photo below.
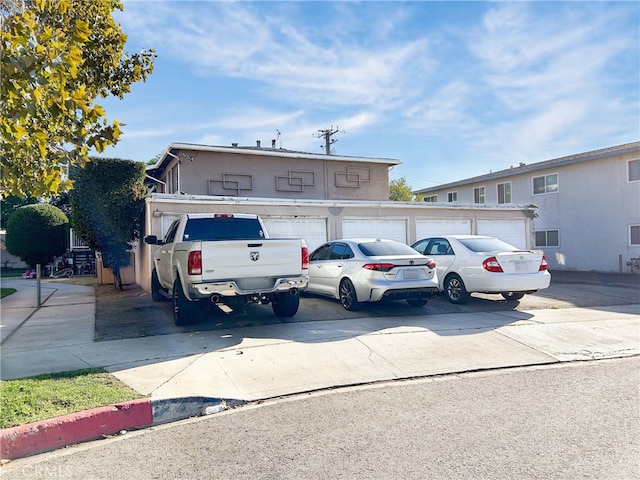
point(491, 265)
point(195, 263)
point(305, 258)
point(543, 264)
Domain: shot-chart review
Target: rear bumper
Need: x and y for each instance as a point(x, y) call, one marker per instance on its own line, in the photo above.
point(497, 282)
point(230, 288)
point(391, 290)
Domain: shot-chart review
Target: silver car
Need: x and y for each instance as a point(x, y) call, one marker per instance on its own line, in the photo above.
point(359, 270)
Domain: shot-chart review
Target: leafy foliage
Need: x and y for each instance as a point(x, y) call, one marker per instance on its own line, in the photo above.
point(58, 56)
point(11, 204)
point(37, 233)
point(107, 207)
point(400, 191)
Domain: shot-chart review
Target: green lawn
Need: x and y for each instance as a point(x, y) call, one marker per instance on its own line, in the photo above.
point(6, 291)
point(44, 397)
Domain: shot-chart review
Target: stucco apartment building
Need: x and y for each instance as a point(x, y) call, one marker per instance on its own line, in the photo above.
point(314, 196)
point(588, 205)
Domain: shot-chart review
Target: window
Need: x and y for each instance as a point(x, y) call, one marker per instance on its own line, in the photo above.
point(545, 184)
point(547, 238)
point(452, 197)
point(634, 170)
point(504, 192)
point(431, 198)
point(478, 195)
point(634, 234)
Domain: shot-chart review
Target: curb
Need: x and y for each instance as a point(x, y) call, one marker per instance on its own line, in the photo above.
point(96, 423)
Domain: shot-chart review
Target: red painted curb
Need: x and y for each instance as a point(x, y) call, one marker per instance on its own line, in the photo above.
point(38, 437)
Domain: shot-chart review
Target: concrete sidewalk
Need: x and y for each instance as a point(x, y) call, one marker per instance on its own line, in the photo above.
point(255, 363)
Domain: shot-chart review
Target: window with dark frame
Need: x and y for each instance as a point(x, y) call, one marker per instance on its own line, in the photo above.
point(452, 197)
point(478, 195)
point(431, 199)
point(504, 192)
point(545, 184)
point(634, 235)
point(547, 238)
point(633, 170)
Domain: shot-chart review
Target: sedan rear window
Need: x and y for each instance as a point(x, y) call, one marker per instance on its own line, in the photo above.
point(487, 245)
point(376, 249)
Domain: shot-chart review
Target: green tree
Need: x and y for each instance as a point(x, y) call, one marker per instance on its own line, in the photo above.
point(11, 204)
point(107, 208)
point(37, 233)
point(58, 57)
point(400, 191)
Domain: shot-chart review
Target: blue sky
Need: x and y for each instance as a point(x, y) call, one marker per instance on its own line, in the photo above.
point(451, 89)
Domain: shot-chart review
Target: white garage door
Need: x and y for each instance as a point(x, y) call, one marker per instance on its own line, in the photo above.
point(433, 227)
point(391, 228)
point(511, 231)
point(312, 230)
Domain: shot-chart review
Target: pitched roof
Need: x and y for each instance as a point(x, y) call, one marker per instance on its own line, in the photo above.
point(532, 167)
point(173, 149)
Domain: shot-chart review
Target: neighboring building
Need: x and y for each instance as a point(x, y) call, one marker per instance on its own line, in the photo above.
point(588, 205)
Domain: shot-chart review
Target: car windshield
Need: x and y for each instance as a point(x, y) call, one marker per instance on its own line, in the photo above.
point(376, 249)
point(487, 245)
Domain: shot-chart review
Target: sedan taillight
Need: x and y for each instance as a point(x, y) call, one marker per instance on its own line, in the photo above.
point(543, 264)
point(431, 264)
point(491, 265)
point(379, 267)
point(194, 263)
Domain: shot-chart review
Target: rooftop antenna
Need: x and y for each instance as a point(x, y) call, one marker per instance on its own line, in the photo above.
point(278, 137)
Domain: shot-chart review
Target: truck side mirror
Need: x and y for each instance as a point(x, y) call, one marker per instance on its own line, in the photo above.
point(151, 239)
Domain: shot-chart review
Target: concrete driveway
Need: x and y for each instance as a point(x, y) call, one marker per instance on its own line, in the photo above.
point(133, 314)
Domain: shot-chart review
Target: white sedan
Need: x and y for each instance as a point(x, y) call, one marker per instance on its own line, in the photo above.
point(474, 263)
point(368, 270)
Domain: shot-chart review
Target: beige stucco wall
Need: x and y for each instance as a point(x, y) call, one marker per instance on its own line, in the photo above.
point(269, 176)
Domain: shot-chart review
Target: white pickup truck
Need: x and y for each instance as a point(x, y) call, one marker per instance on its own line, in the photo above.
point(229, 260)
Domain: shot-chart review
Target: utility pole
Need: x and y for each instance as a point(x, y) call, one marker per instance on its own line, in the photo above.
point(328, 141)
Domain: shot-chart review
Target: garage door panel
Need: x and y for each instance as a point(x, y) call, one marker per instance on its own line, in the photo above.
point(312, 230)
point(442, 226)
point(511, 231)
point(393, 229)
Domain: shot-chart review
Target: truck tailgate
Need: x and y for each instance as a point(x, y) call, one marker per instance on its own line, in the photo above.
point(244, 259)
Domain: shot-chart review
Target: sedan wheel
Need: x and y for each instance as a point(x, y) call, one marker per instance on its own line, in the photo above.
point(455, 289)
point(348, 296)
point(512, 296)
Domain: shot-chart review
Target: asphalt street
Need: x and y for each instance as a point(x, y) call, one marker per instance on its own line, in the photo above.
point(567, 421)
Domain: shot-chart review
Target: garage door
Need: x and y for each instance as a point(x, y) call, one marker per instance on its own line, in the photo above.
point(511, 231)
point(312, 230)
point(433, 227)
point(391, 228)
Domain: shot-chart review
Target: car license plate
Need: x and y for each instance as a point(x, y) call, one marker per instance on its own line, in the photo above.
point(521, 266)
point(411, 274)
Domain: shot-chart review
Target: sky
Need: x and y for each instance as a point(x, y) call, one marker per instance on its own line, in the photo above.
point(450, 89)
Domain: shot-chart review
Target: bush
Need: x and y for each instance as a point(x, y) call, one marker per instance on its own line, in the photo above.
point(37, 233)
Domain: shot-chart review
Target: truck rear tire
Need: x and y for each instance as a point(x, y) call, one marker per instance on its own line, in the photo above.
point(156, 295)
point(285, 304)
point(185, 312)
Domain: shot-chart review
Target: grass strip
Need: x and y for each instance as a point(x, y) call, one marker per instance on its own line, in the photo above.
point(6, 291)
point(43, 397)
